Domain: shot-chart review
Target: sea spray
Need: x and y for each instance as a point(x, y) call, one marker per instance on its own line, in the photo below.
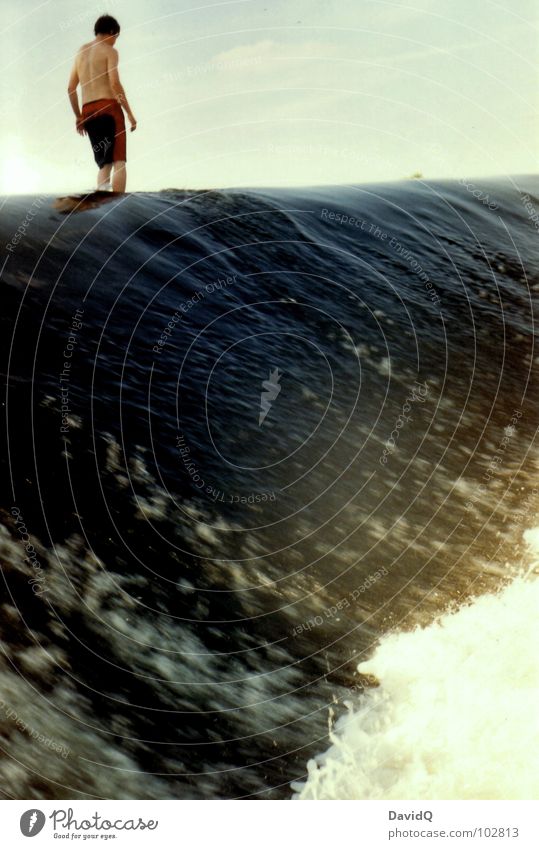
point(456, 714)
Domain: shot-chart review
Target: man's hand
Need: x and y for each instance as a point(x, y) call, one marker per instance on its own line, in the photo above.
point(133, 122)
point(79, 124)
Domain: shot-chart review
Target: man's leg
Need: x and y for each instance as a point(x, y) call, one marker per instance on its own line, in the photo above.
point(119, 178)
point(103, 177)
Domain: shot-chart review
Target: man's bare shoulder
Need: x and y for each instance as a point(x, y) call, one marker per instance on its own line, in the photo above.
point(108, 52)
point(104, 48)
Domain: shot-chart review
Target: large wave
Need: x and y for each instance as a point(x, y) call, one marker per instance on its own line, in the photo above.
point(248, 435)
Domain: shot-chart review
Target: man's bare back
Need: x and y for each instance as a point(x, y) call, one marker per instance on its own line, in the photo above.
point(92, 63)
point(103, 97)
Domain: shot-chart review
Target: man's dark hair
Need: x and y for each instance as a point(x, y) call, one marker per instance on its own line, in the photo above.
point(106, 25)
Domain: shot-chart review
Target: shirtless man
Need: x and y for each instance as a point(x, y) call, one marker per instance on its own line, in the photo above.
point(103, 96)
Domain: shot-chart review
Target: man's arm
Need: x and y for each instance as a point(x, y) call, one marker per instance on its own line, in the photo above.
point(117, 87)
point(74, 98)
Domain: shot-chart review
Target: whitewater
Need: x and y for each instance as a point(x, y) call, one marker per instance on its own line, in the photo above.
point(455, 715)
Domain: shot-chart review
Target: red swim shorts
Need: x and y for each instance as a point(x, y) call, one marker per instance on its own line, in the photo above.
point(105, 125)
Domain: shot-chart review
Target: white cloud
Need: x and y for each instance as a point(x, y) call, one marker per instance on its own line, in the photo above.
point(266, 52)
point(245, 52)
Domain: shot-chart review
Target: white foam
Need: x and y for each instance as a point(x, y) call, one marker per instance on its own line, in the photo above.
point(457, 712)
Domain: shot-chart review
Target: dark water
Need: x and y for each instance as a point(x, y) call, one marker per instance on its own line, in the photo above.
point(196, 593)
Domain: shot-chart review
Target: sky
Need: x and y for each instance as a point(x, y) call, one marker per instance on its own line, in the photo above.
point(278, 92)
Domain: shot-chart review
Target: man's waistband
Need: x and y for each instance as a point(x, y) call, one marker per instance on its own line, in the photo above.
point(106, 100)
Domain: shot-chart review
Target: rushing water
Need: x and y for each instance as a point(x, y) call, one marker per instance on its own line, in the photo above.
point(455, 714)
point(252, 440)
